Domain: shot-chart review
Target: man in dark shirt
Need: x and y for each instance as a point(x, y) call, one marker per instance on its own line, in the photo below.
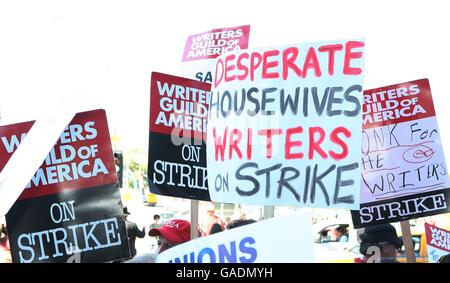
point(133, 232)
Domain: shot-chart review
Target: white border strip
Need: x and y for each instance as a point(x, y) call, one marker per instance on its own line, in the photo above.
point(33, 150)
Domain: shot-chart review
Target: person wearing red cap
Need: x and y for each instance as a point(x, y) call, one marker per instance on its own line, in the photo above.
point(172, 233)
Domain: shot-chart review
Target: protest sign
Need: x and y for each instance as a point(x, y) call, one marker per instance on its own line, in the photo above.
point(72, 204)
point(177, 151)
point(286, 239)
point(438, 242)
point(404, 175)
point(201, 50)
point(198, 62)
point(32, 151)
point(284, 125)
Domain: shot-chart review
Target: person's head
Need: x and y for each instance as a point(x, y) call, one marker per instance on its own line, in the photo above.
point(125, 213)
point(215, 228)
point(384, 237)
point(156, 217)
point(172, 233)
point(340, 231)
point(240, 222)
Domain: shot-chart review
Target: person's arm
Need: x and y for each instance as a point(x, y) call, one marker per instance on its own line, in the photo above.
point(139, 233)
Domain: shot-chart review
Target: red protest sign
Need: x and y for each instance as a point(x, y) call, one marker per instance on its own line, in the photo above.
point(77, 160)
point(178, 125)
point(179, 106)
point(215, 42)
point(72, 205)
point(397, 103)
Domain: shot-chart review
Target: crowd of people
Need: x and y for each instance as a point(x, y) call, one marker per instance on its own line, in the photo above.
point(176, 231)
point(378, 243)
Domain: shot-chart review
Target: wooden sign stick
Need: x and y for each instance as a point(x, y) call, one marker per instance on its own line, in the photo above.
point(194, 219)
point(408, 242)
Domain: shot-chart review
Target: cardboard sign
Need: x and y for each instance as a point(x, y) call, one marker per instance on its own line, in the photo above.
point(404, 174)
point(177, 150)
point(72, 205)
point(438, 242)
point(253, 243)
point(284, 126)
point(201, 50)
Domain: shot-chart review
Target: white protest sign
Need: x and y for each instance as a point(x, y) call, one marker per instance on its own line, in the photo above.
point(286, 239)
point(31, 153)
point(403, 170)
point(198, 63)
point(285, 125)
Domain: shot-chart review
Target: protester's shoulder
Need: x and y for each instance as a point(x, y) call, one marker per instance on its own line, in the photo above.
point(143, 258)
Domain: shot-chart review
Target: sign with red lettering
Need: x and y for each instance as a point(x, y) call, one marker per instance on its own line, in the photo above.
point(213, 43)
point(404, 175)
point(285, 125)
point(72, 205)
point(178, 124)
point(202, 49)
point(438, 242)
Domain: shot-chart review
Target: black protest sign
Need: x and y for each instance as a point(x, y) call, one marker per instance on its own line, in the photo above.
point(177, 149)
point(403, 170)
point(71, 210)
